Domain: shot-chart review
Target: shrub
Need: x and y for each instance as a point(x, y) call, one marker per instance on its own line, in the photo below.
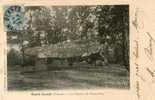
point(13, 57)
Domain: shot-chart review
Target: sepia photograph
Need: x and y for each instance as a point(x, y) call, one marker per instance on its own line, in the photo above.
point(67, 47)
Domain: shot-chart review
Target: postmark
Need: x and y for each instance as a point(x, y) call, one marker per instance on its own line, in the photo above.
point(13, 18)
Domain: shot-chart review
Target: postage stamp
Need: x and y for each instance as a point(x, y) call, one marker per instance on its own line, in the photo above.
point(70, 49)
point(13, 18)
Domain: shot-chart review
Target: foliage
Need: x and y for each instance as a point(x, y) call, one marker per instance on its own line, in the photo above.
point(13, 57)
point(45, 26)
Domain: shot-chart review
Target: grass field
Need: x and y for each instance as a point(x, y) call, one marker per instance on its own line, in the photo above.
point(94, 77)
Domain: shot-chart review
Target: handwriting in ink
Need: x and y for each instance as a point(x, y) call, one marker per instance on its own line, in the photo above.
point(149, 49)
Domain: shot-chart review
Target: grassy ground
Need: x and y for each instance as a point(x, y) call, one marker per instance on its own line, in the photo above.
point(111, 76)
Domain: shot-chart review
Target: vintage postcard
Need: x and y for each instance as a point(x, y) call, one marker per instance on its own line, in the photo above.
point(76, 49)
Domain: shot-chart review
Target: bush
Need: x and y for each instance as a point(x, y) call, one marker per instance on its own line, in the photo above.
point(13, 57)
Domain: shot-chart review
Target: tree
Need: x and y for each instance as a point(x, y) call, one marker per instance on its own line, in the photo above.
point(45, 26)
point(114, 28)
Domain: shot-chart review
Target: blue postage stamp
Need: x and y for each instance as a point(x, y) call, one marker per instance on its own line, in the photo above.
point(13, 18)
